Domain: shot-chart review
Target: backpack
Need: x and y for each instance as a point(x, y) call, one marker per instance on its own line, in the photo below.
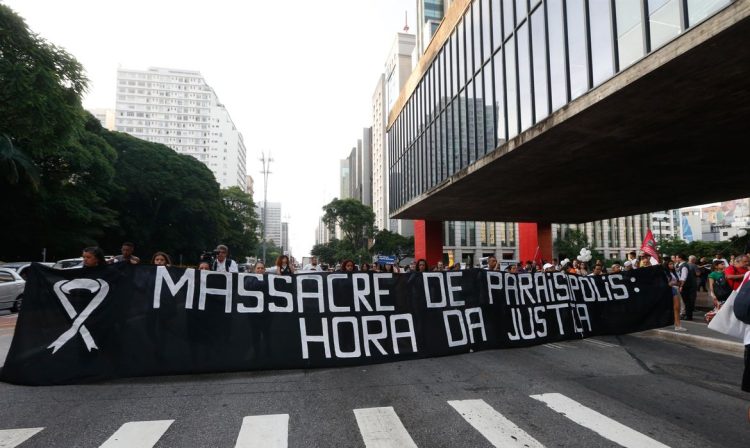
point(722, 289)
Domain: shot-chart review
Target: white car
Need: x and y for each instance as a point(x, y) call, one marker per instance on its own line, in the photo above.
point(69, 263)
point(11, 289)
point(21, 267)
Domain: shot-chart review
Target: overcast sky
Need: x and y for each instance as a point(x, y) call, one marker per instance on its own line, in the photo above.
point(297, 76)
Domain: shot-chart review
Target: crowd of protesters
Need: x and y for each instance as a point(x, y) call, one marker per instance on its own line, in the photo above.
point(687, 275)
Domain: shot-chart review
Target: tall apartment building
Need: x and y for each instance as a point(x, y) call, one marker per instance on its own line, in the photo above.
point(272, 221)
point(179, 109)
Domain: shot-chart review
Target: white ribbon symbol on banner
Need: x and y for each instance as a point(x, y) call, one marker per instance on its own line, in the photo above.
point(62, 288)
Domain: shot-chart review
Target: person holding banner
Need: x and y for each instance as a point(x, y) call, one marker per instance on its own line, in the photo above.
point(161, 259)
point(222, 263)
point(283, 267)
point(347, 266)
point(93, 257)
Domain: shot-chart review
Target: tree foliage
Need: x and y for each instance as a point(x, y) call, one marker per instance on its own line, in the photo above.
point(272, 253)
point(391, 243)
point(357, 224)
point(570, 245)
point(240, 223)
point(68, 183)
point(674, 246)
point(356, 221)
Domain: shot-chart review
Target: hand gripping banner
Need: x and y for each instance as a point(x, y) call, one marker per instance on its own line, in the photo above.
point(148, 320)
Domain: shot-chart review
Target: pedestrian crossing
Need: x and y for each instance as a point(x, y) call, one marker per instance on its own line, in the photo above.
point(382, 427)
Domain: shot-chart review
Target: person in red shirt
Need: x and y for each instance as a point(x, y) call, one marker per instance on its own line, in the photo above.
point(735, 272)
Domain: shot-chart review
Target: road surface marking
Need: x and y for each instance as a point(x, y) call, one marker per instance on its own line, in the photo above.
point(599, 343)
point(500, 431)
point(600, 424)
point(555, 346)
point(267, 431)
point(10, 438)
point(138, 434)
point(381, 428)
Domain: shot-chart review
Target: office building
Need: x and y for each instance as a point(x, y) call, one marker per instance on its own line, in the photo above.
point(272, 221)
point(559, 77)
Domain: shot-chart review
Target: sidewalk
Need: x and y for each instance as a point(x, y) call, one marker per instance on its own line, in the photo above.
point(699, 336)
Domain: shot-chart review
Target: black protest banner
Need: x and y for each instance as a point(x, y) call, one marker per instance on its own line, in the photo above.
point(123, 320)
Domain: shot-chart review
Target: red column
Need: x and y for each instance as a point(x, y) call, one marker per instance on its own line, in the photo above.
point(532, 235)
point(428, 241)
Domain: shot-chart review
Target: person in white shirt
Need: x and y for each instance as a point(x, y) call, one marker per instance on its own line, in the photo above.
point(313, 265)
point(222, 263)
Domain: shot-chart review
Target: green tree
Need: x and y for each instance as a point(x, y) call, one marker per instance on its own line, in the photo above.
point(672, 246)
point(356, 221)
point(570, 245)
point(272, 253)
point(15, 165)
point(167, 201)
point(391, 243)
point(327, 253)
point(240, 223)
point(42, 117)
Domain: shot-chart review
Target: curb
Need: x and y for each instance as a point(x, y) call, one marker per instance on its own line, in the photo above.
point(702, 342)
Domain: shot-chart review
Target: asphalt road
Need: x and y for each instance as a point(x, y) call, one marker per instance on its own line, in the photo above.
point(602, 392)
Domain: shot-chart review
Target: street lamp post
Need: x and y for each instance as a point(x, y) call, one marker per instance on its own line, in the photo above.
point(265, 164)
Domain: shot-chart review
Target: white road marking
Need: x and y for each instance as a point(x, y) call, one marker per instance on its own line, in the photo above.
point(381, 428)
point(555, 346)
point(138, 434)
point(600, 343)
point(600, 424)
point(10, 438)
point(500, 431)
point(267, 431)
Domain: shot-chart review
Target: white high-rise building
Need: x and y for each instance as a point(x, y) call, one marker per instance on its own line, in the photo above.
point(105, 116)
point(273, 221)
point(179, 109)
point(398, 67)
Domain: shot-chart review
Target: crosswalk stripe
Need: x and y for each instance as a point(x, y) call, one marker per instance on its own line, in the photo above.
point(138, 434)
point(600, 424)
point(268, 431)
point(381, 428)
point(554, 345)
point(10, 438)
point(500, 431)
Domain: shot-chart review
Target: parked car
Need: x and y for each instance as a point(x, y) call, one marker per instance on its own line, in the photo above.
point(69, 263)
point(11, 289)
point(21, 267)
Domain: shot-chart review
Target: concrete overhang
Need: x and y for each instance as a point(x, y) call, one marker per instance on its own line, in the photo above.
point(672, 130)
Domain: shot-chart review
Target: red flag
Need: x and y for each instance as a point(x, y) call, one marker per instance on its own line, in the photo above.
point(649, 246)
point(538, 258)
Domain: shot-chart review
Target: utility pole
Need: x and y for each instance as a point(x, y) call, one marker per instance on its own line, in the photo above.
point(266, 164)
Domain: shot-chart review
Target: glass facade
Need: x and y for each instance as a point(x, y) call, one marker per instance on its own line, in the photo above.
point(507, 65)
